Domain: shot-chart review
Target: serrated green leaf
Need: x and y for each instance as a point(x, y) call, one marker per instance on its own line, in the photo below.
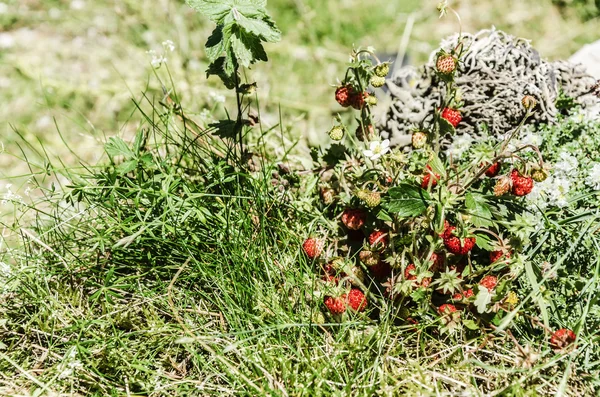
point(484, 241)
point(224, 128)
point(384, 216)
point(216, 45)
point(217, 68)
point(470, 324)
point(117, 147)
point(260, 28)
point(247, 48)
point(437, 165)
point(215, 10)
point(126, 167)
point(407, 200)
point(481, 214)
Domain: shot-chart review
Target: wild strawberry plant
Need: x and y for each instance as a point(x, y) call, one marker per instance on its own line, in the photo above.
point(433, 236)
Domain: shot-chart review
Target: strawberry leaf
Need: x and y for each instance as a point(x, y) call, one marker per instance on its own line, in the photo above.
point(480, 212)
point(407, 200)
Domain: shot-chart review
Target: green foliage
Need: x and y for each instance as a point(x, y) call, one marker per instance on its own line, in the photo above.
point(407, 201)
point(242, 27)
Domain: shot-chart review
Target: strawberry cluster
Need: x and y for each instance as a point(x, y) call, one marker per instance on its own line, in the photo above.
point(417, 229)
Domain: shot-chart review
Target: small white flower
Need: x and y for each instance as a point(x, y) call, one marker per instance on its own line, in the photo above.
point(217, 98)
point(557, 190)
point(532, 138)
point(169, 45)
point(593, 177)
point(460, 145)
point(377, 149)
point(567, 165)
point(157, 60)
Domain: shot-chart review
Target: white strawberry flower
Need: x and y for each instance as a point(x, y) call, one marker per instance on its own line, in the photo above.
point(377, 149)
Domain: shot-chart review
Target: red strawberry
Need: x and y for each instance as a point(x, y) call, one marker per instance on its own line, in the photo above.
point(336, 305)
point(379, 239)
point(343, 94)
point(447, 308)
point(493, 170)
point(446, 64)
point(521, 185)
point(357, 300)
point(455, 245)
point(489, 282)
point(354, 219)
point(562, 338)
point(427, 178)
point(313, 247)
point(357, 99)
point(465, 295)
point(453, 116)
point(497, 255)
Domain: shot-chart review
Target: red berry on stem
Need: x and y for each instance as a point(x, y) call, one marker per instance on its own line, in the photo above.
point(357, 300)
point(562, 338)
point(343, 94)
point(379, 239)
point(453, 116)
point(336, 305)
point(521, 185)
point(447, 308)
point(429, 176)
point(313, 247)
point(354, 219)
point(493, 170)
point(446, 64)
point(489, 282)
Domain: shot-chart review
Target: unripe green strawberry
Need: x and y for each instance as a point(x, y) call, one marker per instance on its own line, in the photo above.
point(419, 140)
point(337, 133)
point(539, 175)
point(371, 199)
point(382, 70)
point(371, 100)
point(369, 258)
point(377, 81)
point(529, 102)
point(446, 64)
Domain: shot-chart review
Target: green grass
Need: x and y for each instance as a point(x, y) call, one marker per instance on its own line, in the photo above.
point(184, 277)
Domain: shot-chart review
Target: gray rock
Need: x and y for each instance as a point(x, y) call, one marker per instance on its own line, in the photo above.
point(496, 72)
point(589, 57)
